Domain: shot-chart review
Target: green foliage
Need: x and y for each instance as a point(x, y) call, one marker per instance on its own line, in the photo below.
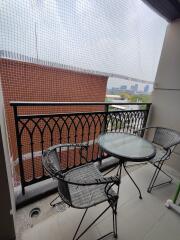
point(136, 98)
point(140, 98)
point(125, 96)
point(108, 99)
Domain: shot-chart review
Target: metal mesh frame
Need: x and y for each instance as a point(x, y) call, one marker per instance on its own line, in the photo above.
point(165, 141)
point(166, 138)
point(84, 186)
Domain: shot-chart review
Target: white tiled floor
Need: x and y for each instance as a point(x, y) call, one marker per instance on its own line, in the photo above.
point(146, 219)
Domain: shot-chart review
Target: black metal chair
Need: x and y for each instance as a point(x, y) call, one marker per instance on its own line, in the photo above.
point(164, 140)
point(84, 186)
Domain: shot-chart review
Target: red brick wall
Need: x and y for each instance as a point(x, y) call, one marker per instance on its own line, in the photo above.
point(31, 82)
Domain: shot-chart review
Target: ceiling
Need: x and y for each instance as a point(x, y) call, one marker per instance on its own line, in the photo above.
point(169, 9)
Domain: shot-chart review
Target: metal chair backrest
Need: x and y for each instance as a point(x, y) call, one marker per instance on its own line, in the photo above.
point(166, 138)
point(51, 163)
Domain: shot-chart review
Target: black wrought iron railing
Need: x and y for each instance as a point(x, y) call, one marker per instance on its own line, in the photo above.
point(39, 127)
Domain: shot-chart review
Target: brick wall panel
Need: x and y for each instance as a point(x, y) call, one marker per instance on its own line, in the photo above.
point(23, 81)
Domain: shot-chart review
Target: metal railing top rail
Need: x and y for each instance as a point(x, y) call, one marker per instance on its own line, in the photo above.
point(30, 116)
point(30, 103)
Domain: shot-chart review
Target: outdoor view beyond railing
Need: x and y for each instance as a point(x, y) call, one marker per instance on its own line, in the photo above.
point(40, 125)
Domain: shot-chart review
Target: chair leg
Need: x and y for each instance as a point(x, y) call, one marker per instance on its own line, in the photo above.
point(80, 224)
point(93, 224)
point(155, 175)
point(52, 204)
point(115, 220)
point(152, 180)
point(140, 195)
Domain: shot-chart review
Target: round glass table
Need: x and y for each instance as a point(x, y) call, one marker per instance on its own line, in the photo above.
point(127, 147)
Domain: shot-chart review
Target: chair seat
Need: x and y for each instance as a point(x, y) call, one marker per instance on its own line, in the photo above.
point(87, 196)
point(159, 155)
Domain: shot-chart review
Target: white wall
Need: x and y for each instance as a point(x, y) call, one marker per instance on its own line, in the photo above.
point(166, 95)
point(7, 201)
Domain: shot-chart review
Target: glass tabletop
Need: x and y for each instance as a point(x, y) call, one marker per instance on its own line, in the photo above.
point(127, 147)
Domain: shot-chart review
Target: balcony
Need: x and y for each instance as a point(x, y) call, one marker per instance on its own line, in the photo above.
point(57, 59)
point(146, 219)
point(36, 132)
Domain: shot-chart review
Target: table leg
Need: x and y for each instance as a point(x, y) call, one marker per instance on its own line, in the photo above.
point(140, 195)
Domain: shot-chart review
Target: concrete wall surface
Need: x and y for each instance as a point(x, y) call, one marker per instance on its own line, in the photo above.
point(166, 95)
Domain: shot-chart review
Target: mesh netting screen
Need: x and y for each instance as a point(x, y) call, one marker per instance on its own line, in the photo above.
point(121, 37)
point(56, 50)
